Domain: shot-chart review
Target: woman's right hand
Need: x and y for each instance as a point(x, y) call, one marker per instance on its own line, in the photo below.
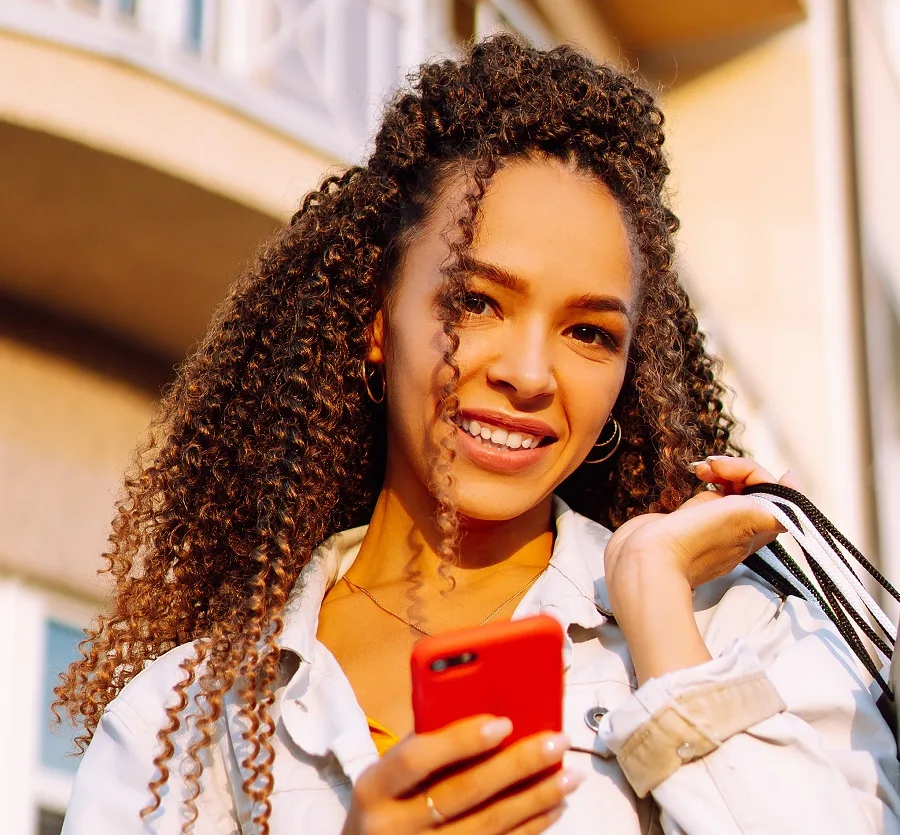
point(392, 796)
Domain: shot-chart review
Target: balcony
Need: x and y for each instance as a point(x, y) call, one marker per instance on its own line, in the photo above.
point(146, 191)
point(315, 70)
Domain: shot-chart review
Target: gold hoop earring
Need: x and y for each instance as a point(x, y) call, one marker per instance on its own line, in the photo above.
point(613, 440)
point(367, 381)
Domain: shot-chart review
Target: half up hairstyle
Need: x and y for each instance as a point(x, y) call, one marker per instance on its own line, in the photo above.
point(266, 443)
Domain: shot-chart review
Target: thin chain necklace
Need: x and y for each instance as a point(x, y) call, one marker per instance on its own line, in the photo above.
point(409, 623)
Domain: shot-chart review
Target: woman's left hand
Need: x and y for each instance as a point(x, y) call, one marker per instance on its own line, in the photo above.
point(654, 561)
point(709, 535)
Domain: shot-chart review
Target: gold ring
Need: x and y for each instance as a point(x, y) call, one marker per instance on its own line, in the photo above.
point(437, 816)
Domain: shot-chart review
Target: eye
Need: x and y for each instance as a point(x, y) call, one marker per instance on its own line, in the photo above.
point(477, 304)
point(591, 335)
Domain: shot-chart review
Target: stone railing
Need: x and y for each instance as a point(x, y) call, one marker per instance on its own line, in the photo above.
point(317, 70)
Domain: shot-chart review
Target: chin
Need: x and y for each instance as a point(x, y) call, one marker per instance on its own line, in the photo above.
point(490, 503)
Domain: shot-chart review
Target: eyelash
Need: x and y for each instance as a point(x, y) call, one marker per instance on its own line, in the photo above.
point(606, 339)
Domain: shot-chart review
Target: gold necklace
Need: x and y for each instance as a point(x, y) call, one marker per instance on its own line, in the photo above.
point(409, 623)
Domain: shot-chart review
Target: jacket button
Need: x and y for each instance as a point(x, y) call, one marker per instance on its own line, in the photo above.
point(685, 751)
point(593, 716)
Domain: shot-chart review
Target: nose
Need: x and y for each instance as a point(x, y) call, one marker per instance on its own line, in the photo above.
point(524, 363)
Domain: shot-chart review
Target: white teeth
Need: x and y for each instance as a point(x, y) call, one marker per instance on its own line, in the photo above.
point(499, 436)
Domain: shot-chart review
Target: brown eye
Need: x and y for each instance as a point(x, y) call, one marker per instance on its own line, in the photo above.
point(590, 335)
point(476, 305)
point(584, 333)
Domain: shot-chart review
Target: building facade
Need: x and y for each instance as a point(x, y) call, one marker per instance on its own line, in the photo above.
point(148, 147)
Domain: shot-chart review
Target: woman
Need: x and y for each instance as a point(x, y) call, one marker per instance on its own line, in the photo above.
point(387, 433)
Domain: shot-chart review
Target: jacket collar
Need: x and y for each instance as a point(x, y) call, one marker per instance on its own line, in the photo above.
point(573, 589)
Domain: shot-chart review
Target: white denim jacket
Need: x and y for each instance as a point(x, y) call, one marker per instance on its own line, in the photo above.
point(777, 734)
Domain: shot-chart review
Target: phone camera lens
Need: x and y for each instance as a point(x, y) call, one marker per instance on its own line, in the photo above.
point(441, 664)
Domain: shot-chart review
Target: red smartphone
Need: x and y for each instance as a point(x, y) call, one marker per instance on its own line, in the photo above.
point(512, 669)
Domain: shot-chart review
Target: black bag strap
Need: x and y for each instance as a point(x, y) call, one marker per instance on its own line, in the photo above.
point(834, 585)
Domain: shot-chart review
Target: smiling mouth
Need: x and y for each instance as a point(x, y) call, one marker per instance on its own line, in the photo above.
point(496, 437)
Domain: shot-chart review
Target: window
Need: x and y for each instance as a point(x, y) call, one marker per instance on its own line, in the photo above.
point(60, 649)
point(39, 634)
point(56, 766)
point(195, 22)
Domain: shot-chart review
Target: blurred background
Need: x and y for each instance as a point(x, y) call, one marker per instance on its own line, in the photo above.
point(147, 147)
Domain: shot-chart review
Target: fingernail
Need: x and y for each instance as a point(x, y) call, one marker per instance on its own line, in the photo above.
point(497, 729)
point(694, 464)
point(554, 745)
point(570, 780)
point(719, 457)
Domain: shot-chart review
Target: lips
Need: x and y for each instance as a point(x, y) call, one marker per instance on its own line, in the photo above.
point(501, 458)
point(511, 423)
point(502, 443)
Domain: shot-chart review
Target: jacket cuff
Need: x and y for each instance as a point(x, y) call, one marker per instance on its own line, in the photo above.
point(686, 714)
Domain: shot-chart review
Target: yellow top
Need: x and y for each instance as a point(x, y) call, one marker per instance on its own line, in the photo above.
point(381, 736)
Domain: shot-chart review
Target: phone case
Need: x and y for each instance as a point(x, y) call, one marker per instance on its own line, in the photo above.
point(511, 669)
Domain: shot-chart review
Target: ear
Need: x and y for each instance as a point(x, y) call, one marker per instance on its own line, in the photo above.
point(375, 339)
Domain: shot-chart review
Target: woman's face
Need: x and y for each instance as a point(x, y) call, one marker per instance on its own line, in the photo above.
point(543, 345)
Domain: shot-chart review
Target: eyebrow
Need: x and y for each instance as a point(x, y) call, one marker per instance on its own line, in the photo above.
point(590, 302)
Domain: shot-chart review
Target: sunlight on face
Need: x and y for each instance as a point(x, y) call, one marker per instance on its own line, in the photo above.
point(543, 346)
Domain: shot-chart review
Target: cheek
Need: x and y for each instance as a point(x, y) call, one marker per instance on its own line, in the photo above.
point(415, 371)
point(414, 359)
point(590, 393)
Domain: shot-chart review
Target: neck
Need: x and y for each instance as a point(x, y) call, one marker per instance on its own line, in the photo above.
point(403, 534)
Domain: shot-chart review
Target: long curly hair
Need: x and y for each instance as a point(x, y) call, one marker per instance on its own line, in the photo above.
point(266, 443)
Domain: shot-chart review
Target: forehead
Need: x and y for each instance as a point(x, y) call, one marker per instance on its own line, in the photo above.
point(557, 228)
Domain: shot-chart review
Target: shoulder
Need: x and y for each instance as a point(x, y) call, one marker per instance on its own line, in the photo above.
point(787, 633)
point(111, 785)
point(141, 703)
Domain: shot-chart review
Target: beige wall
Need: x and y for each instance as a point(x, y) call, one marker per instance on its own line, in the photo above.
point(877, 100)
point(66, 432)
point(877, 123)
point(758, 181)
point(740, 143)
